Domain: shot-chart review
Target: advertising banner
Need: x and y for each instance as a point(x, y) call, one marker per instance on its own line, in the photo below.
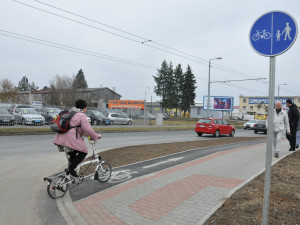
point(220, 103)
point(126, 104)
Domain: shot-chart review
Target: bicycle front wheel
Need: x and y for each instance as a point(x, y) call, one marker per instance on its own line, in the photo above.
point(103, 172)
point(57, 188)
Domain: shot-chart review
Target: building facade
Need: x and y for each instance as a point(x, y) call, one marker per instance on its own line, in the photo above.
point(96, 97)
point(258, 105)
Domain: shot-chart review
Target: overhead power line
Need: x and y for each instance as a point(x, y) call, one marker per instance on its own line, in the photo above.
point(73, 49)
point(142, 41)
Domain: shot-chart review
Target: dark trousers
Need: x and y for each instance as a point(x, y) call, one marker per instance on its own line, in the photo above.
point(76, 157)
point(292, 137)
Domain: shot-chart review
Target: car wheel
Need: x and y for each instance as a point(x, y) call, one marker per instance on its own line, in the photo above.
point(265, 132)
point(232, 133)
point(95, 122)
point(255, 131)
point(23, 122)
point(217, 133)
point(199, 134)
point(112, 122)
point(129, 122)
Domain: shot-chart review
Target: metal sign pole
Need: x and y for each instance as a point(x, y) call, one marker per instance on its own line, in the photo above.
point(267, 184)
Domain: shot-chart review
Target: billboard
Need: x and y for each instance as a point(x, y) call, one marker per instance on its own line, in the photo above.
point(220, 103)
point(126, 104)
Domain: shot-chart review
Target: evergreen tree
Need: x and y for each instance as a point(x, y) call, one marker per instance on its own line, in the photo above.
point(170, 88)
point(178, 77)
point(23, 84)
point(188, 94)
point(79, 81)
point(160, 81)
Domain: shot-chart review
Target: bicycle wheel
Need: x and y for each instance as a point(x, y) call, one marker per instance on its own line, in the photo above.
point(57, 188)
point(103, 172)
point(267, 35)
point(255, 37)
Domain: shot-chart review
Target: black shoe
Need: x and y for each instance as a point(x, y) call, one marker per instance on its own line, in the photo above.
point(291, 149)
point(73, 173)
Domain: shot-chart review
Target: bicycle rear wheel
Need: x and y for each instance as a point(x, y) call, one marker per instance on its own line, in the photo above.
point(57, 187)
point(103, 172)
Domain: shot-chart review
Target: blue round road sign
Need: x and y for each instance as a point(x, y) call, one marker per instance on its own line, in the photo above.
point(273, 33)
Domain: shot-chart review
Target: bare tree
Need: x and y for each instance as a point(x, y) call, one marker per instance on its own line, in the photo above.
point(61, 91)
point(8, 91)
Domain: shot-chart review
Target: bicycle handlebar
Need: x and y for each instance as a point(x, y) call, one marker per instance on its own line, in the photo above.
point(93, 141)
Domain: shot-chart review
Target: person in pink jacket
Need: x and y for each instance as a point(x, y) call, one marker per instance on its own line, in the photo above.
point(72, 142)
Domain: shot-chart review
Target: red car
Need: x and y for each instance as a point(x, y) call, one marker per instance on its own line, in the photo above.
point(214, 126)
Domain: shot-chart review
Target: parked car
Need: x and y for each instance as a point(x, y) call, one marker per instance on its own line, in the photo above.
point(166, 116)
point(117, 118)
point(214, 126)
point(97, 118)
point(13, 107)
point(6, 118)
point(260, 126)
point(29, 116)
point(49, 113)
point(250, 124)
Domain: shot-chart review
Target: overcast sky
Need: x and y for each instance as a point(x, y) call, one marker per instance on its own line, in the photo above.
point(203, 28)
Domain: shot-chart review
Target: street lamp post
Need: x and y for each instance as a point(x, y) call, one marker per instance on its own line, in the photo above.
point(208, 95)
point(278, 89)
point(145, 104)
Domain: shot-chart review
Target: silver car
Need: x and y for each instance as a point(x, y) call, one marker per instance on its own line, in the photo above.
point(118, 118)
point(28, 116)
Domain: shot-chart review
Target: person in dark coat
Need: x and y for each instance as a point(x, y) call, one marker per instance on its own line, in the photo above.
point(293, 121)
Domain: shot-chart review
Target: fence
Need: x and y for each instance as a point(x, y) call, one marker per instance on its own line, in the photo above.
point(32, 115)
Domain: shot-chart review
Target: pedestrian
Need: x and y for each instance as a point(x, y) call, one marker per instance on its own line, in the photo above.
point(72, 142)
point(281, 123)
point(298, 131)
point(293, 121)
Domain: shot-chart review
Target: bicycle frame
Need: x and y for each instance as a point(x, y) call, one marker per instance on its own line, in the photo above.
point(95, 156)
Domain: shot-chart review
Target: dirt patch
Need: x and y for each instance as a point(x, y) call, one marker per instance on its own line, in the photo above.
point(245, 206)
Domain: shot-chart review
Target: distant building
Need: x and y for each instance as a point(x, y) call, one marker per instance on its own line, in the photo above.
point(96, 97)
point(257, 105)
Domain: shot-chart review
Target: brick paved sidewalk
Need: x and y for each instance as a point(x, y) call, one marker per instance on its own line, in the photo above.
point(185, 194)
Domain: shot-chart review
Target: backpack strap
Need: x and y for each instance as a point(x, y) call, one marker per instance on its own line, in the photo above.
point(71, 114)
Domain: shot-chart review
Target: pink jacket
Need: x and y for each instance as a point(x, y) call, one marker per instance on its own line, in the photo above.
point(69, 139)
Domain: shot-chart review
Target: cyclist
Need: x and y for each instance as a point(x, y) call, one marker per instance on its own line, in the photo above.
point(72, 142)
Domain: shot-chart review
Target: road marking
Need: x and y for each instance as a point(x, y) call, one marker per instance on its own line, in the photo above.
point(169, 160)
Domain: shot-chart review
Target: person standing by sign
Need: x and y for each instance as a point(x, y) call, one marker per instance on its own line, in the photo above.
point(293, 121)
point(298, 131)
point(281, 122)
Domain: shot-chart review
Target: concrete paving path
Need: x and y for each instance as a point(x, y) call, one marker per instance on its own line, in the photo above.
point(185, 194)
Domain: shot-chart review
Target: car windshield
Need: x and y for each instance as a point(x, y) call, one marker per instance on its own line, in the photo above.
point(3, 111)
point(97, 113)
point(204, 121)
point(54, 111)
point(29, 111)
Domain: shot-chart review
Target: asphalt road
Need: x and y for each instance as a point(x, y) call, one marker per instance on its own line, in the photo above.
point(25, 160)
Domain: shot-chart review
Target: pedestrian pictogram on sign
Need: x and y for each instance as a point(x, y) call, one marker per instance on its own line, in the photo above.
point(273, 33)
